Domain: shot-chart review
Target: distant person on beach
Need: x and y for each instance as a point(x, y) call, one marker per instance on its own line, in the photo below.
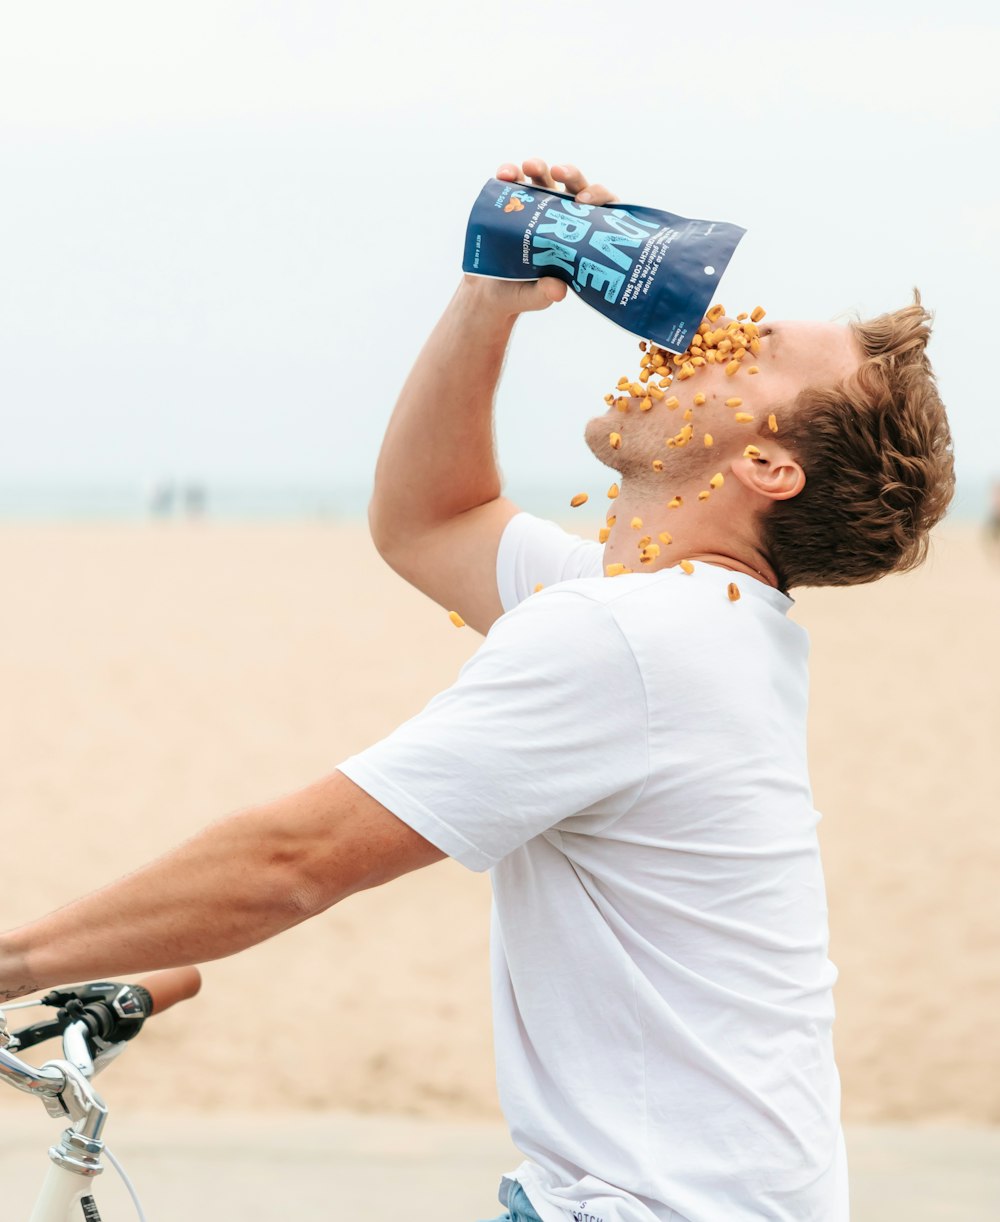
point(627, 757)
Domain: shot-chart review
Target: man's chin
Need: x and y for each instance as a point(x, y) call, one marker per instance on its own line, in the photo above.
point(596, 434)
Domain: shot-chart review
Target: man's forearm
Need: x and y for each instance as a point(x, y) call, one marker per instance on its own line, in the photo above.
point(239, 882)
point(438, 457)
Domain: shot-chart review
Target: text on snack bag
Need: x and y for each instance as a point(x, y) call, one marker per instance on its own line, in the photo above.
point(556, 239)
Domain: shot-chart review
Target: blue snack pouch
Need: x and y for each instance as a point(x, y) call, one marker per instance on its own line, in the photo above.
point(649, 271)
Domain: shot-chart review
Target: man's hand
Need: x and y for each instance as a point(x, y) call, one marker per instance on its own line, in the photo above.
point(437, 513)
point(519, 297)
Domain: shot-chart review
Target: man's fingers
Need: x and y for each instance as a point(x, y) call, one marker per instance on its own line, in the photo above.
point(570, 177)
point(538, 172)
point(509, 173)
point(598, 193)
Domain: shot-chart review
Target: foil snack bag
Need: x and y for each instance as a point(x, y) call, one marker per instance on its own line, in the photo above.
point(649, 271)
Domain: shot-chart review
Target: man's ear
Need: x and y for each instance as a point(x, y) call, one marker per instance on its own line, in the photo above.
point(772, 472)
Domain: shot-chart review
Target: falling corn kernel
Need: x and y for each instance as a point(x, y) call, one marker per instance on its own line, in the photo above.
point(611, 518)
point(456, 619)
point(616, 441)
point(647, 358)
point(704, 494)
point(637, 389)
point(613, 491)
point(740, 317)
point(645, 541)
point(734, 402)
point(652, 549)
point(772, 422)
point(755, 346)
point(699, 399)
point(623, 383)
point(609, 399)
point(642, 345)
point(644, 376)
point(717, 480)
point(675, 503)
point(731, 368)
point(753, 369)
point(688, 414)
point(757, 313)
point(743, 418)
point(645, 403)
point(733, 590)
point(672, 402)
point(537, 588)
point(603, 534)
point(715, 313)
point(657, 464)
point(615, 570)
point(665, 537)
point(636, 523)
point(664, 383)
point(751, 452)
point(709, 439)
point(687, 566)
point(581, 498)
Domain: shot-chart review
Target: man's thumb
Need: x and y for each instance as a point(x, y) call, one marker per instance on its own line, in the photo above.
point(542, 293)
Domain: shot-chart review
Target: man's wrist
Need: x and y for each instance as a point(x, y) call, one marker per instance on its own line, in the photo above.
point(488, 299)
point(15, 979)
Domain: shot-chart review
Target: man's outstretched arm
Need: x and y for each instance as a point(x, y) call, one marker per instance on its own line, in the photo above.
point(238, 882)
point(437, 513)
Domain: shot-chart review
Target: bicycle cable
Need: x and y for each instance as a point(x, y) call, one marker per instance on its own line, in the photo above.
point(127, 1182)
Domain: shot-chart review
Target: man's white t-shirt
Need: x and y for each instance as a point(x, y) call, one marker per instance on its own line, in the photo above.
point(628, 757)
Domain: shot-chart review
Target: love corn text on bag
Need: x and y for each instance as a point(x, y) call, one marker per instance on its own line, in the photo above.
point(649, 271)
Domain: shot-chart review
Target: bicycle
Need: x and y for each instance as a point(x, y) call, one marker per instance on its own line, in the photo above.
point(95, 1021)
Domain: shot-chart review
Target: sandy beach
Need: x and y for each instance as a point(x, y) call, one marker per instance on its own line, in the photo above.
point(157, 676)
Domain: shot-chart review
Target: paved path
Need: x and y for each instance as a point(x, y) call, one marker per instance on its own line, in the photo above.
point(225, 1168)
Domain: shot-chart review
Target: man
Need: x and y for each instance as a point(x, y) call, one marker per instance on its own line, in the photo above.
point(627, 756)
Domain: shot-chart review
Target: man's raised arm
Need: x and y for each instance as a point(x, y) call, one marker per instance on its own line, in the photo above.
point(437, 513)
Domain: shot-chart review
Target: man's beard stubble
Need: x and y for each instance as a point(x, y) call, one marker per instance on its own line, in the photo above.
point(643, 441)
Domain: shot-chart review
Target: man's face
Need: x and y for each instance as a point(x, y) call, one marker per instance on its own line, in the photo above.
point(793, 354)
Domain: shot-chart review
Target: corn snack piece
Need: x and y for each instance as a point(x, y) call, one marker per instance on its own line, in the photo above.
point(613, 491)
point(704, 494)
point(611, 518)
point(699, 399)
point(657, 464)
point(603, 534)
point(731, 368)
point(772, 422)
point(753, 369)
point(733, 590)
point(456, 619)
point(687, 566)
point(644, 541)
point(581, 498)
point(645, 404)
point(665, 537)
point(709, 439)
point(743, 418)
point(616, 441)
point(757, 314)
point(636, 523)
point(734, 402)
point(717, 480)
point(751, 452)
point(675, 503)
point(537, 588)
point(615, 570)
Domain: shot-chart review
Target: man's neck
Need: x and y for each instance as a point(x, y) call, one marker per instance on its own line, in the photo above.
point(717, 530)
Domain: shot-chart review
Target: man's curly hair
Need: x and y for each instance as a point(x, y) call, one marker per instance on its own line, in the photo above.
point(877, 455)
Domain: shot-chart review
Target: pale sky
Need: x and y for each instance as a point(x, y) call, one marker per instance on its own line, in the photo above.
point(226, 228)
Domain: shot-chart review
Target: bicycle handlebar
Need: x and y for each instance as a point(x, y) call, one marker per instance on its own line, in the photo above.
point(104, 1011)
point(167, 988)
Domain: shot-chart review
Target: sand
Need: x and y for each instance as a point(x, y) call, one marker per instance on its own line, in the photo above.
point(156, 676)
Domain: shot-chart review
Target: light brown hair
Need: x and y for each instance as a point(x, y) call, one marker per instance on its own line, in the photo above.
point(877, 455)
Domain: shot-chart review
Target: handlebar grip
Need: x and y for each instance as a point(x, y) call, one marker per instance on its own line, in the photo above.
point(168, 987)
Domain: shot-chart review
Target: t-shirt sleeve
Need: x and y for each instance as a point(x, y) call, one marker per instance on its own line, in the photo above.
point(534, 551)
point(546, 722)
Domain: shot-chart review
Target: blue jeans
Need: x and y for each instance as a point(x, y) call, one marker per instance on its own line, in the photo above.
point(519, 1208)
